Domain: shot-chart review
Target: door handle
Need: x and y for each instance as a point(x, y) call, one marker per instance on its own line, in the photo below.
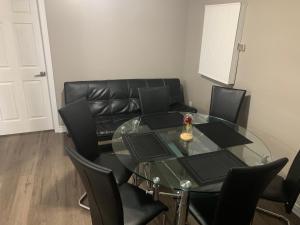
point(41, 74)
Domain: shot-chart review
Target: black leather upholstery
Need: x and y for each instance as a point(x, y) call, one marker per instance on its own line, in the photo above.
point(111, 204)
point(275, 190)
point(154, 99)
point(182, 108)
point(106, 126)
point(113, 102)
point(138, 207)
point(202, 206)
point(239, 195)
point(285, 190)
point(226, 103)
point(82, 128)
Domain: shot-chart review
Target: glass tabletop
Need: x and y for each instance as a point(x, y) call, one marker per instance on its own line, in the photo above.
point(171, 172)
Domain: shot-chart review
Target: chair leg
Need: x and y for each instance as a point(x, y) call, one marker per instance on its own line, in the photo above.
point(80, 202)
point(270, 213)
point(164, 219)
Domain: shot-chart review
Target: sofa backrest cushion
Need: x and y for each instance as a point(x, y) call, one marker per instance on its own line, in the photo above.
point(111, 97)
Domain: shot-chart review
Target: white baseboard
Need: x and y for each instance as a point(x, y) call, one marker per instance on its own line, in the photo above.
point(296, 209)
point(61, 129)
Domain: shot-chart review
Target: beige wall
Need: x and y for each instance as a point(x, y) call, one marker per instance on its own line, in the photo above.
point(269, 70)
point(113, 39)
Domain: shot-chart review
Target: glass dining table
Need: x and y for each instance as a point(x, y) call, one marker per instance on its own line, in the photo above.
point(171, 172)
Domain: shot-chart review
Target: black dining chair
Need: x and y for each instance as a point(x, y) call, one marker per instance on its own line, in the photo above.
point(236, 203)
point(82, 129)
point(284, 191)
point(110, 203)
point(226, 103)
point(154, 99)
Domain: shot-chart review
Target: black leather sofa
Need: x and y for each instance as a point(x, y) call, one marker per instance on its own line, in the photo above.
point(113, 102)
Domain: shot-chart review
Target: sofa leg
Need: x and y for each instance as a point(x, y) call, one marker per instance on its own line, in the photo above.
point(147, 173)
point(80, 202)
point(270, 213)
point(135, 180)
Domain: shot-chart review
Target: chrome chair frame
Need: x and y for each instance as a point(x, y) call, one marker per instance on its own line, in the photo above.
point(273, 214)
point(80, 201)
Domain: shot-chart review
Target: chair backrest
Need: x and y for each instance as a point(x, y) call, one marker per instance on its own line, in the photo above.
point(154, 99)
point(82, 127)
point(102, 191)
point(241, 190)
point(292, 183)
point(226, 103)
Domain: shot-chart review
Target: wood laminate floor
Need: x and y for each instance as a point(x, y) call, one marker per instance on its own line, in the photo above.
point(39, 185)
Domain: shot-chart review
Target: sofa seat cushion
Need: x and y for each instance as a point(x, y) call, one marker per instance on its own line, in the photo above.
point(107, 125)
point(182, 108)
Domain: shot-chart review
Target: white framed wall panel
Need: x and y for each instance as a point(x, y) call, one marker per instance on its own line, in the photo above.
point(219, 42)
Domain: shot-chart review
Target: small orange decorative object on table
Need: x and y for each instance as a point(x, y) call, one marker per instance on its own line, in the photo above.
point(187, 132)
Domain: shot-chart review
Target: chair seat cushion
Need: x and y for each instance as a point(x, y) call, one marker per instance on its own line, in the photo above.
point(202, 207)
point(107, 125)
point(111, 161)
point(139, 208)
point(275, 190)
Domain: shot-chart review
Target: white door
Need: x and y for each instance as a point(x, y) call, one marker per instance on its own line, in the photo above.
point(24, 94)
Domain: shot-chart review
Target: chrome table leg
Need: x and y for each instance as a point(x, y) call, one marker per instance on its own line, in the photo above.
point(156, 181)
point(183, 207)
